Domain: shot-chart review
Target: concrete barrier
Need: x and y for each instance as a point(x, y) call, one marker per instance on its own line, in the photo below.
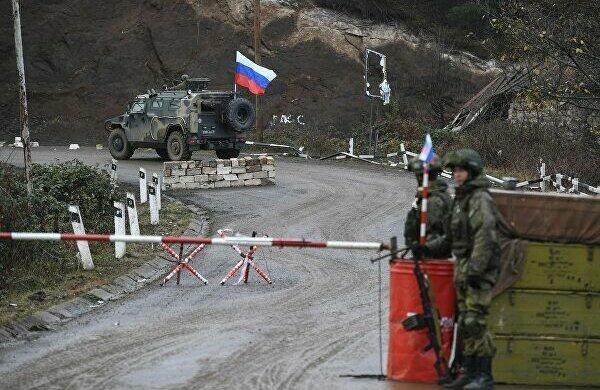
point(219, 173)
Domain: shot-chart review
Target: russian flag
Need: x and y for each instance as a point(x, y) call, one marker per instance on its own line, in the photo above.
point(252, 76)
point(427, 152)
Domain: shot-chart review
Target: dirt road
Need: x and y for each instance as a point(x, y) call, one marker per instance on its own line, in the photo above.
point(318, 320)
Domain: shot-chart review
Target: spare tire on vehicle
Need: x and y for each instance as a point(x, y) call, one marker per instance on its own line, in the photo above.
point(240, 114)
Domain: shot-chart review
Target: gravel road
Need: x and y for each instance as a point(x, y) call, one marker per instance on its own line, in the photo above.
point(315, 324)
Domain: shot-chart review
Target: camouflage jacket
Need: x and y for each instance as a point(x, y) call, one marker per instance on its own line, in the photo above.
point(473, 234)
point(438, 217)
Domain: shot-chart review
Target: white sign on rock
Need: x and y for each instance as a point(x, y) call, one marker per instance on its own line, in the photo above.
point(82, 246)
point(143, 186)
point(119, 229)
point(134, 225)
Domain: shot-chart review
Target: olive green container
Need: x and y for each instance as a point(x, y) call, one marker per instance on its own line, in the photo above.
point(547, 361)
point(539, 312)
point(553, 266)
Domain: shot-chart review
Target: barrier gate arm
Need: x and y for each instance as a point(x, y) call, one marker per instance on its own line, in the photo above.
point(223, 241)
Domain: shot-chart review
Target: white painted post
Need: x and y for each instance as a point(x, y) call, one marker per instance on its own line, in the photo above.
point(575, 188)
point(404, 156)
point(156, 183)
point(542, 175)
point(134, 225)
point(119, 229)
point(558, 182)
point(153, 205)
point(82, 246)
point(351, 146)
point(143, 188)
point(113, 171)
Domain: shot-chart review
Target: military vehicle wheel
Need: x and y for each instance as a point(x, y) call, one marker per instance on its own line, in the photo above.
point(118, 145)
point(227, 153)
point(240, 114)
point(177, 148)
point(162, 153)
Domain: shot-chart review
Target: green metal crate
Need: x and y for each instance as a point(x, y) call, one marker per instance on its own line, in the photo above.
point(553, 266)
point(539, 312)
point(547, 361)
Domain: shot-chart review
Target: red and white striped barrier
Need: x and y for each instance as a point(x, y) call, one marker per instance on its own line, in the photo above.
point(226, 241)
point(246, 262)
point(183, 264)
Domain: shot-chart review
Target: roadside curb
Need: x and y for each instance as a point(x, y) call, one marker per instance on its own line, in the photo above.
point(49, 319)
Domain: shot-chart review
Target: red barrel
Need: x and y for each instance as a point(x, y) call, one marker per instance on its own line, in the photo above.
point(407, 360)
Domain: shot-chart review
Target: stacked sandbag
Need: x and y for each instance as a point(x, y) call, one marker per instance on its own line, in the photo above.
point(219, 173)
point(546, 322)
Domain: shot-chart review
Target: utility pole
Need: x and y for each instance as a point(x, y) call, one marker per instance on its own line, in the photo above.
point(22, 95)
point(257, 45)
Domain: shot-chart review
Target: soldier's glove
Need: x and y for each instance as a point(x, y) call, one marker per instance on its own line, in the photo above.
point(419, 251)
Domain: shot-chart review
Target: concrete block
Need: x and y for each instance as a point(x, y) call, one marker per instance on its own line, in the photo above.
point(194, 171)
point(186, 179)
point(176, 186)
point(167, 172)
point(262, 159)
point(223, 170)
point(209, 170)
point(268, 167)
point(171, 180)
point(235, 162)
point(201, 178)
point(266, 182)
point(241, 162)
point(209, 163)
point(215, 177)
point(230, 177)
point(171, 165)
point(183, 164)
point(193, 185)
point(236, 170)
point(245, 176)
point(260, 175)
point(205, 186)
point(237, 183)
point(271, 174)
point(178, 172)
point(222, 184)
point(270, 160)
point(223, 162)
point(253, 168)
point(252, 182)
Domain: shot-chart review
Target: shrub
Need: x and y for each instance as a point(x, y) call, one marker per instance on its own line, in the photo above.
point(46, 210)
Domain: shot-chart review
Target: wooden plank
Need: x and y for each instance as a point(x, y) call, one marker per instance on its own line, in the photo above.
point(547, 361)
point(539, 312)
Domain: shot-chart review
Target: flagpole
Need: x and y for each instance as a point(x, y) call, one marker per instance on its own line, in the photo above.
point(257, 44)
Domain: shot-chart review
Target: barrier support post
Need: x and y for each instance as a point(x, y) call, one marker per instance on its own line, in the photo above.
point(119, 218)
point(134, 225)
point(82, 246)
point(143, 184)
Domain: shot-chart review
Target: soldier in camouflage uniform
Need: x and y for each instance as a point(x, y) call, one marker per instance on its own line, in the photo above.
point(473, 239)
point(438, 209)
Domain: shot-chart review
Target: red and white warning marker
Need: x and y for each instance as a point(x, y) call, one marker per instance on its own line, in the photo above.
point(225, 241)
point(246, 262)
point(183, 264)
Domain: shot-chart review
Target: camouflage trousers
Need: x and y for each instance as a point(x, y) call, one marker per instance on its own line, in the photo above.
point(473, 306)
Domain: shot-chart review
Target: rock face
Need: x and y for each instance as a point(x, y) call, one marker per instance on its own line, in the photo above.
point(86, 60)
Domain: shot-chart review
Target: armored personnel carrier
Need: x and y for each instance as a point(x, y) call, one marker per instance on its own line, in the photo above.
point(179, 120)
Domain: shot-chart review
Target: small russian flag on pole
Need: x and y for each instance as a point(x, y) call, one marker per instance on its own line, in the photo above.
point(427, 152)
point(252, 76)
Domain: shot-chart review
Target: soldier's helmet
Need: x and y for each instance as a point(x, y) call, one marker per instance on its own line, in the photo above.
point(467, 158)
point(416, 166)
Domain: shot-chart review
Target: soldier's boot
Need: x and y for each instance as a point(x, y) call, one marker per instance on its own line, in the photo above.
point(483, 378)
point(466, 376)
